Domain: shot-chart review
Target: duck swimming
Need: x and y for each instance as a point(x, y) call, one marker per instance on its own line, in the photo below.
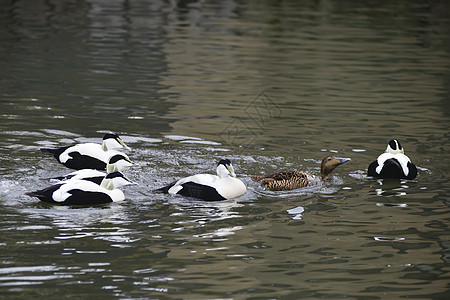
point(291, 180)
point(393, 163)
point(116, 163)
point(83, 192)
point(222, 186)
point(89, 155)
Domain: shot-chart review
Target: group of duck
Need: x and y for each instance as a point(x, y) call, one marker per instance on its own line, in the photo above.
point(90, 184)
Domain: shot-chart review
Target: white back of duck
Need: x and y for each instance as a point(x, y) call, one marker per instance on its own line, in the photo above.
point(224, 170)
point(400, 157)
point(84, 173)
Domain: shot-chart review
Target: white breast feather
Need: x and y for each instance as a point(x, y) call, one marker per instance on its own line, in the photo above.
point(116, 195)
point(231, 187)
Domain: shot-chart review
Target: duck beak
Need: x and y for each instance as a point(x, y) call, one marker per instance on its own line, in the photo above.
point(123, 144)
point(231, 170)
point(343, 160)
point(131, 182)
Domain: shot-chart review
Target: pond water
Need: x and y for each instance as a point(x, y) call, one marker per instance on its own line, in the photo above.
point(271, 85)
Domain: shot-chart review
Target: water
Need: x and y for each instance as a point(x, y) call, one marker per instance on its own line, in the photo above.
point(272, 86)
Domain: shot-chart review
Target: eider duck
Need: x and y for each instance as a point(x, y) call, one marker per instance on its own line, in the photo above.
point(89, 155)
point(116, 163)
point(393, 163)
point(223, 186)
point(83, 192)
point(291, 180)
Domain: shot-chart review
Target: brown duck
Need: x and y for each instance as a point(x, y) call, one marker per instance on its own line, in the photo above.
point(291, 180)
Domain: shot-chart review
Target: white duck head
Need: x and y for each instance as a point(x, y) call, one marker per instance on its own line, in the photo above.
point(118, 162)
point(112, 141)
point(225, 168)
point(394, 147)
point(114, 180)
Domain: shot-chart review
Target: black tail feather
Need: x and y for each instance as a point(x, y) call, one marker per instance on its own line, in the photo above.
point(164, 189)
point(60, 178)
point(49, 151)
point(55, 152)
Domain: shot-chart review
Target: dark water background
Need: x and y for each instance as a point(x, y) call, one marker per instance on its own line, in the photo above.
point(269, 84)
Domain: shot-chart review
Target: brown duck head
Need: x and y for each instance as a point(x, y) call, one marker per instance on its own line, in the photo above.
point(330, 163)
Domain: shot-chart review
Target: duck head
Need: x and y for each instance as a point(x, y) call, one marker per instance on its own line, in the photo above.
point(394, 147)
point(112, 141)
point(118, 162)
point(225, 168)
point(114, 180)
point(330, 163)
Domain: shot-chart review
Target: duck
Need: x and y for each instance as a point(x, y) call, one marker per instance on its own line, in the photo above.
point(89, 155)
point(291, 180)
point(116, 163)
point(393, 163)
point(223, 186)
point(84, 192)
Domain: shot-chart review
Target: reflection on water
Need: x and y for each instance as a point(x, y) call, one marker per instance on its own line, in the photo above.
point(272, 85)
point(296, 212)
point(392, 188)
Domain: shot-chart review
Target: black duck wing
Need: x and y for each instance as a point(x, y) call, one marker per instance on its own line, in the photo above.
point(79, 161)
point(371, 171)
point(200, 191)
point(393, 169)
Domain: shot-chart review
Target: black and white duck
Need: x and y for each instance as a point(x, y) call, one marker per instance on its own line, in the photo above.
point(89, 155)
point(84, 192)
point(222, 186)
point(116, 163)
point(393, 163)
point(291, 180)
